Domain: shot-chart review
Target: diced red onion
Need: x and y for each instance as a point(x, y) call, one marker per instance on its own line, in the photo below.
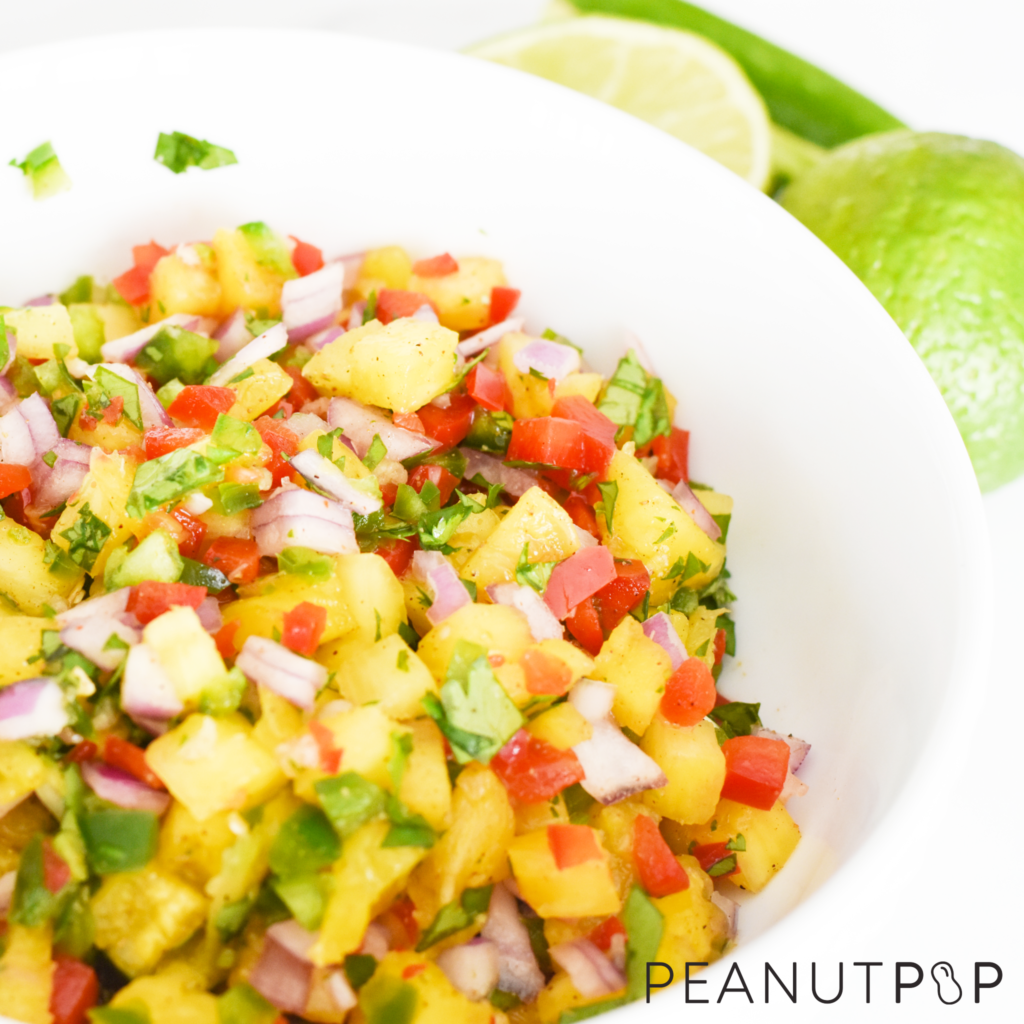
point(90, 637)
point(592, 699)
point(586, 539)
point(124, 790)
point(353, 263)
point(58, 483)
point(515, 482)
point(487, 337)
point(232, 335)
point(107, 605)
point(261, 347)
point(471, 967)
point(549, 358)
point(8, 395)
point(209, 614)
point(325, 475)
point(12, 350)
point(613, 767)
point(294, 517)
point(31, 708)
point(153, 412)
point(591, 972)
point(124, 350)
point(16, 445)
point(289, 500)
point(340, 991)
point(7, 890)
point(543, 624)
point(659, 628)
point(355, 316)
point(288, 674)
point(360, 422)
point(322, 339)
point(283, 974)
point(41, 424)
point(443, 585)
point(793, 786)
point(729, 907)
point(376, 941)
point(146, 690)
point(690, 504)
point(42, 300)
point(518, 971)
point(309, 304)
point(798, 749)
point(302, 424)
point(426, 314)
point(580, 576)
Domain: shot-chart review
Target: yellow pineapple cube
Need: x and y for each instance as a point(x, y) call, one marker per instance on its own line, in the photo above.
point(20, 639)
point(173, 996)
point(531, 396)
point(192, 849)
point(186, 282)
point(26, 974)
point(500, 630)
point(187, 653)
point(462, 299)
point(258, 392)
point(388, 267)
point(562, 726)
point(243, 280)
point(638, 668)
point(694, 764)
point(39, 328)
point(389, 674)
point(426, 788)
point(695, 929)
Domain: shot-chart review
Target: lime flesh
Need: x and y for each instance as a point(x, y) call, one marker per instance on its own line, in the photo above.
point(933, 224)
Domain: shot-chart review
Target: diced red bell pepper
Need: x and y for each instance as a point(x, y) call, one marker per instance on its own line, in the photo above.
point(444, 481)
point(616, 599)
point(133, 285)
point(436, 266)
point(330, 753)
point(282, 441)
point(303, 627)
point(562, 443)
point(451, 425)
point(408, 421)
point(503, 301)
point(659, 871)
point(388, 492)
point(720, 642)
point(710, 854)
point(393, 304)
point(237, 558)
point(412, 970)
point(225, 639)
point(673, 454)
point(603, 934)
point(572, 844)
point(585, 626)
point(119, 753)
point(403, 910)
point(582, 514)
point(161, 440)
point(588, 416)
point(150, 599)
point(199, 405)
point(306, 258)
point(85, 750)
point(487, 387)
point(755, 770)
point(74, 989)
point(689, 693)
point(545, 673)
point(56, 873)
point(397, 553)
point(302, 389)
point(577, 578)
point(192, 532)
point(13, 478)
point(532, 770)
point(112, 413)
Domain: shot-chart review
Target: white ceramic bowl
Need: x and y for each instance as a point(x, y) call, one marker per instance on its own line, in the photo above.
point(857, 547)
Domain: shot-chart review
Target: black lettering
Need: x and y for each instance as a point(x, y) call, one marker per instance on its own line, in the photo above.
point(664, 984)
point(867, 975)
point(979, 984)
point(688, 981)
point(743, 985)
point(814, 984)
point(900, 983)
point(768, 969)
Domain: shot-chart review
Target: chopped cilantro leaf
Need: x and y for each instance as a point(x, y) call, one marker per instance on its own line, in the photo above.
point(370, 312)
point(268, 248)
point(115, 386)
point(44, 172)
point(403, 661)
point(86, 537)
point(668, 533)
point(725, 866)
point(735, 718)
point(301, 561)
point(738, 843)
point(455, 916)
point(609, 493)
point(409, 635)
point(50, 458)
point(694, 566)
point(65, 411)
point(625, 391)
point(168, 478)
point(534, 574)
point(652, 417)
point(244, 375)
point(375, 453)
point(178, 151)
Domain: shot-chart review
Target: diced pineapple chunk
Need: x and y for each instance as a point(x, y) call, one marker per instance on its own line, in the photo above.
point(473, 850)
point(388, 267)
point(39, 328)
point(243, 281)
point(279, 720)
point(367, 877)
point(260, 390)
point(462, 299)
point(562, 726)
point(119, 319)
point(171, 997)
point(536, 520)
point(695, 929)
point(471, 534)
point(26, 974)
point(638, 668)
point(617, 824)
point(416, 604)
point(22, 770)
point(499, 629)
point(105, 490)
point(373, 596)
point(433, 998)
point(192, 849)
point(179, 287)
point(770, 837)
point(426, 788)
point(531, 396)
point(582, 890)
point(141, 915)
point(586, 384)
point(20, 639)
point(111, 437)
point(694, 764)
point(214, 764)
point(187, 653)
point(644, 513)
point(700, 634)
point(388, 674)
point(530, 817)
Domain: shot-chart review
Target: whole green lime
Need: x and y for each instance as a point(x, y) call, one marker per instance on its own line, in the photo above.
point(933, 224)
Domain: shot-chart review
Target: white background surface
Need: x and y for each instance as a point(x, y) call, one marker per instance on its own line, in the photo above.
point(951, 890)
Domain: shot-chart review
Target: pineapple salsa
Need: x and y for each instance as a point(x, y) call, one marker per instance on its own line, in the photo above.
point(358, 655)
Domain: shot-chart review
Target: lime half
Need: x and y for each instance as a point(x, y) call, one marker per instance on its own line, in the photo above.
point(674, 80)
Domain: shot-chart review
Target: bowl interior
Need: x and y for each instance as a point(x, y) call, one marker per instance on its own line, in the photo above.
point(851, 544)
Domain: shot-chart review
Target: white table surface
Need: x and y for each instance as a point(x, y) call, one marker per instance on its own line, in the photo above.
point(951, 891)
